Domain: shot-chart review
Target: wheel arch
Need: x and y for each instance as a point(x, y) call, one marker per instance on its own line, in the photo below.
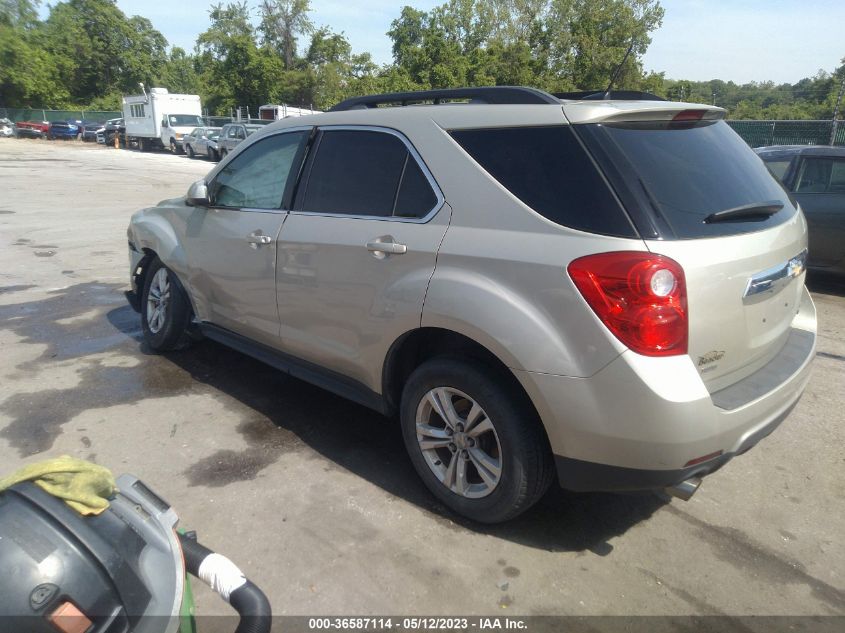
point(414, 348)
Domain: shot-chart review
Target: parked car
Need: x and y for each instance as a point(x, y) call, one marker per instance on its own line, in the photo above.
point(6, 128)
point(815, 175)
point(610, 293)
point(202, 141)
point(63, 130)
point(233, 133)
point(113, 127)
point(32, 129)
point(91, 129)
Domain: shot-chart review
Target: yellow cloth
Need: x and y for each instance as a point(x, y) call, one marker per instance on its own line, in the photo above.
point(85, 487)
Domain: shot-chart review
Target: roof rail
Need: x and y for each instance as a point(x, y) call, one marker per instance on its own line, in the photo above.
point(613, 95)
point(489, 95)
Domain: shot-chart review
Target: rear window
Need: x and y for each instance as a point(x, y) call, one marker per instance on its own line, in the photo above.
point(683, 173)
point(548, 170)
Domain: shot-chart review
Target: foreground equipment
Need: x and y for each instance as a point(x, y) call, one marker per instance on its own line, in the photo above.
point(121, 571)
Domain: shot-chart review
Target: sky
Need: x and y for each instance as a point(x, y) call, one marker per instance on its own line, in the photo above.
point(734, 40)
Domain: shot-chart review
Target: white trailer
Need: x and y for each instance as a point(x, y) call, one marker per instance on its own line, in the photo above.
point(160, 119)
point(273, 112)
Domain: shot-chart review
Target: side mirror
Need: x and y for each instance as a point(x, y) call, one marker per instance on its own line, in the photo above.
point(164, 123)
point(197, 195)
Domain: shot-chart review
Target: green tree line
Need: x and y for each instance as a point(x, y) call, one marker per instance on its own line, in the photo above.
point(88, 53)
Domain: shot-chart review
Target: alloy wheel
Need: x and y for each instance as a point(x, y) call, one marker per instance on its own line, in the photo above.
point(459, 442)
point(158, 300)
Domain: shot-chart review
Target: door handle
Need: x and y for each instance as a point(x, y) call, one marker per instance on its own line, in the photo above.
point(383, 246)
point(257, 238)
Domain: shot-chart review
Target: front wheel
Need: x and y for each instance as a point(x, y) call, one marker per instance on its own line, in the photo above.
point(190, 151)
point(165, 310)
point(174, 146)
point(474, 441)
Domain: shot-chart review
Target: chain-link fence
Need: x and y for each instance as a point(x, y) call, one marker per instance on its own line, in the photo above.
point(34, 114)
point(764, 133)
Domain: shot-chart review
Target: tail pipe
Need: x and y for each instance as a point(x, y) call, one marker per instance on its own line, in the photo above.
point(684, 490)
point(229, 582)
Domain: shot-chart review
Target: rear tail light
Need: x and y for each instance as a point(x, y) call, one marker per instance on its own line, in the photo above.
point(640, 297)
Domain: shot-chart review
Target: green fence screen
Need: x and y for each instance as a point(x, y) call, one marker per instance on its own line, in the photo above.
point(25, 114)
point(764, 133)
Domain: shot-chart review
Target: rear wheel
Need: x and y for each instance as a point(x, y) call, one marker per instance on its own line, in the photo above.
point(165, 309)
point(473, 440)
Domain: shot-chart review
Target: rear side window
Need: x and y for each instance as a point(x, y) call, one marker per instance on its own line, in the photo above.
point(683, 173)
point(777, 167)
point(821, 175)
point(548, 170)
point(367, 173)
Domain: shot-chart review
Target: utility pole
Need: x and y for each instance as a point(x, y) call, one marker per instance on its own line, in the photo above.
point(836, 112)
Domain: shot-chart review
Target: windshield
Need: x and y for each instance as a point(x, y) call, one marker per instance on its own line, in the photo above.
point(184, 120)
point(213, 136)
point(684, 173)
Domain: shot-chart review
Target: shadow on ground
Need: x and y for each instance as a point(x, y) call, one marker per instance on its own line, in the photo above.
point(826, 283)
point(278, 413)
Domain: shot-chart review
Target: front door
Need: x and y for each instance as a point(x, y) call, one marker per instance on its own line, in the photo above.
point(232, 244)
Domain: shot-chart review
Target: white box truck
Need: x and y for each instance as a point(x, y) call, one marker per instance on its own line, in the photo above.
point(160, 119)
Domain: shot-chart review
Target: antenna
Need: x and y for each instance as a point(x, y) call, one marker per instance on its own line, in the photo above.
point(615, 74)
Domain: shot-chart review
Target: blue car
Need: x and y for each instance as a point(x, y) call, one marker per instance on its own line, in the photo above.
point(62, 129)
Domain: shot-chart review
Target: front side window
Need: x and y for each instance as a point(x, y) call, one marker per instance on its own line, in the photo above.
point(258, 177)
point(821, 175)
point(369, 173)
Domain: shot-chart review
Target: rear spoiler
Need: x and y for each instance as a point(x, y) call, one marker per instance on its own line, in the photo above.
point(600, 111)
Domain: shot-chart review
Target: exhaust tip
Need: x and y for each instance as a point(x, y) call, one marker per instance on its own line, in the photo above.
point(684, 490)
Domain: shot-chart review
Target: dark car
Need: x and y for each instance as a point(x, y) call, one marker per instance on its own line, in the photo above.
point(815, 175)
point(63, 130)
point(90, 129)
point(234, 133)
point(112, 127)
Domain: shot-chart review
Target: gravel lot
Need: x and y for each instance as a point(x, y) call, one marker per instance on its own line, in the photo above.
point(314, 497)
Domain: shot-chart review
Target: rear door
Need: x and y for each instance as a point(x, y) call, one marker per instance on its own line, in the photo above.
point(231, 245)
point(701, 196)
point(820, 190)
point(358, 250)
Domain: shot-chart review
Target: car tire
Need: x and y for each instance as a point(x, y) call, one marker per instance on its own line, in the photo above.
point(212, 155)
point(174, 147)
point(165, 310)
point(190, 151)
point(142, 145)
point(502, 461)
point(223, 154)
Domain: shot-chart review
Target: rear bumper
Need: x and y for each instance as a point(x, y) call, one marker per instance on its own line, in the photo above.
point(639, 422)
point(582, 476)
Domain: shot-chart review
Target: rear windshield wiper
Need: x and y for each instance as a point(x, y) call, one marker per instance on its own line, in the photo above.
point(747, 212)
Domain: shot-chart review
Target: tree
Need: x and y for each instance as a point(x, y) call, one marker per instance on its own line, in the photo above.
point(282, 21)
point(99, 51)
point(19, 13)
